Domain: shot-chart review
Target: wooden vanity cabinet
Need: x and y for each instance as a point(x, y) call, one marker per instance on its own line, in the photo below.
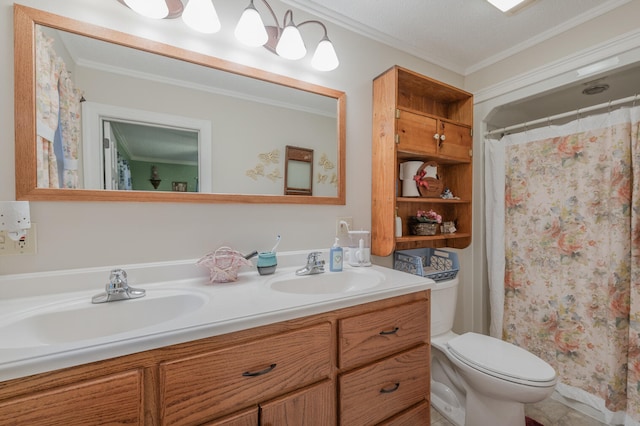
point(416, 118)
point(362, 365)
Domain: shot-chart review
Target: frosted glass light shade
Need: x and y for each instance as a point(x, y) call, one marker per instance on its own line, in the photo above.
point(250, 29)
point(156, 9)
point(325, 58)
point(291, 46)
point(505, 5)
point(201, 16)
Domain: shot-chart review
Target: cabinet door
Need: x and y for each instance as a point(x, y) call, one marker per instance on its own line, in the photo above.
point(217, 383)
point(378, 391)
point(314, 406)
point(416, 133)
point(114, 400)
point(245, 418)
point(457, 141)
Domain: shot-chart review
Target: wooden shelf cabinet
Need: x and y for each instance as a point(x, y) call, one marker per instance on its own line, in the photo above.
point(416, 118)
point(355, 366)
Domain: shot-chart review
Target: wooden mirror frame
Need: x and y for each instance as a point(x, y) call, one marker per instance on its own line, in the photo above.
point(25, 20)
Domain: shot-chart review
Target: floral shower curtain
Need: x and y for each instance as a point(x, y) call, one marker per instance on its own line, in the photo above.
point(48, 68)
point(563, 228)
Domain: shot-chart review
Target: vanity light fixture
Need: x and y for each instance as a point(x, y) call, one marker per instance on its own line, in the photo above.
point(285, 41)
point(199, 15)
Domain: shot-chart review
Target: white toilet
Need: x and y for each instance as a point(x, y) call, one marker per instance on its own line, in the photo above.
point(477, 380)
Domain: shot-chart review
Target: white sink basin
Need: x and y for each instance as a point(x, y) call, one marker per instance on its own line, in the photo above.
point(347, 281)
point(80, 320)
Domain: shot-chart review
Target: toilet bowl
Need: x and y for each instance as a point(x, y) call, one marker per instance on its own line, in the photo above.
point(478, 380)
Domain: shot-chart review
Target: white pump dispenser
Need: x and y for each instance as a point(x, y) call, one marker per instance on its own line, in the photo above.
point(335, 257)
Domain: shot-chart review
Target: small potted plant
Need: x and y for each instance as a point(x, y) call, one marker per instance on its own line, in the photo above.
point(425, 223)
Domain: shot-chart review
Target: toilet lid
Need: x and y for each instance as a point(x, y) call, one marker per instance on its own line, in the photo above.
point(500, 359)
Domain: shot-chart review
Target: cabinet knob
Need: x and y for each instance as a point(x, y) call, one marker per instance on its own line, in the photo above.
point(436, 136)
point(443, 137)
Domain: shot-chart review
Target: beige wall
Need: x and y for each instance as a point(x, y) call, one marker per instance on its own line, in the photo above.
point(75, 235)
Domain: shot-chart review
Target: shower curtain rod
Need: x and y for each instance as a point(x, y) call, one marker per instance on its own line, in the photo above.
point(565, 114)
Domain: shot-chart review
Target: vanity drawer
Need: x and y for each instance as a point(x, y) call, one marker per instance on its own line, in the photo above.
point(115, 399)
point(375, 392)
point(375, 334)
point(215, 383)
point(417, 415)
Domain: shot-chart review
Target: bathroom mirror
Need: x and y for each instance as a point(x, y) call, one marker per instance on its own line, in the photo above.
point(276, 98)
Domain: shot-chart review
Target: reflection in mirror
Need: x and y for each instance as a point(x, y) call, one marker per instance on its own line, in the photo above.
point(131, 148)
point(243, 122)
point(298, 171)
point(133, 139)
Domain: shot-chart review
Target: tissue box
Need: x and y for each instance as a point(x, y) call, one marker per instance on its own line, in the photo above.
point(439, 265)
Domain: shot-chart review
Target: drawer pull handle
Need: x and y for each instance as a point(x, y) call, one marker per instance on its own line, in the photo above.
point(390, 390)
point(259, 373)
point(386, 333)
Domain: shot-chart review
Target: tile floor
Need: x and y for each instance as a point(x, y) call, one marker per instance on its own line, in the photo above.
point(548, 412)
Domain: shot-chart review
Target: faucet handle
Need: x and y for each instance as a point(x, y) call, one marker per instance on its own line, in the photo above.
point(117, 280)
point(313, 257)
point(118, 289)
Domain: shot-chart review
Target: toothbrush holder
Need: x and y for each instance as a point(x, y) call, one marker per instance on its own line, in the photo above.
point(267, 262)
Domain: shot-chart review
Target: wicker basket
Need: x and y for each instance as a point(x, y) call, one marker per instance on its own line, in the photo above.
point(223, 264)
point(423, 228)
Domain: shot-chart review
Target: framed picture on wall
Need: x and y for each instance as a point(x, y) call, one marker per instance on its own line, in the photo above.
point(179, 186)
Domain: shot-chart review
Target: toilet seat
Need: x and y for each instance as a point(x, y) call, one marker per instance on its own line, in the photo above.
point(502, 360)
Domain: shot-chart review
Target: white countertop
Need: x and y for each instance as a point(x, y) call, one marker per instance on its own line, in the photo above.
point(246, 303)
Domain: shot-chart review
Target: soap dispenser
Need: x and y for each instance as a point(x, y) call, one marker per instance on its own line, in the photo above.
point(335, 257)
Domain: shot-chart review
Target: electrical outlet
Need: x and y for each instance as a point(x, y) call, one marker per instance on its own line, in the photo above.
point(342, 230)
point(26, 245)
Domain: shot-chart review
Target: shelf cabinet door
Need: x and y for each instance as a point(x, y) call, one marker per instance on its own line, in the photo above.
point(416, 133)
point(457, 141)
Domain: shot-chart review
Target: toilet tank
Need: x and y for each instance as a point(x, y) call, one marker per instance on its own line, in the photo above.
point(444, 297)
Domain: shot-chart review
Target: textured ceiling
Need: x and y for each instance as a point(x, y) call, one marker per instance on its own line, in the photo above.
point(460, 35)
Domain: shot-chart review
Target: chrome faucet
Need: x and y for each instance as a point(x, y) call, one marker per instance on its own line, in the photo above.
point(118, 289)
point(315, 265)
